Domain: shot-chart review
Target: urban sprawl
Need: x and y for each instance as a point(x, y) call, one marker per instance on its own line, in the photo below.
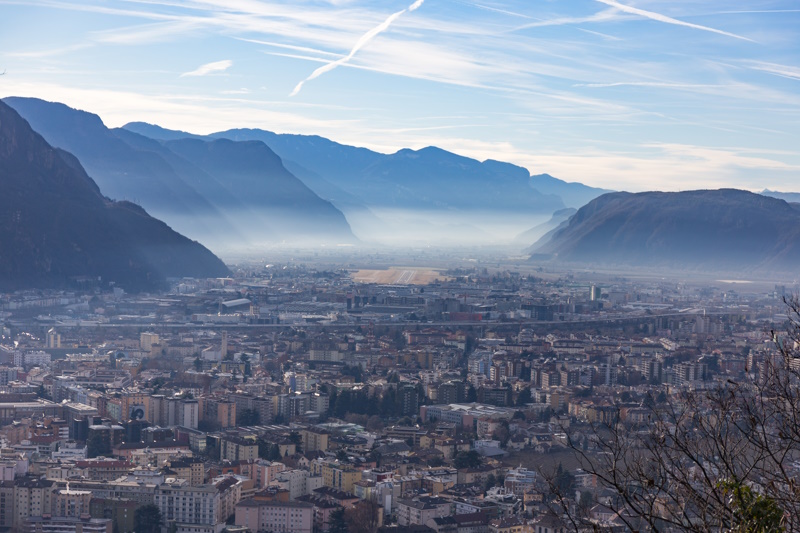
point(293, 399)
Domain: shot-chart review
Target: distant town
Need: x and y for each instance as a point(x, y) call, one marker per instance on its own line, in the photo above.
point(298, 398)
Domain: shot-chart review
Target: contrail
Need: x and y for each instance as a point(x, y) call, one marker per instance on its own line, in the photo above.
point(366, 38)
point(669, 20)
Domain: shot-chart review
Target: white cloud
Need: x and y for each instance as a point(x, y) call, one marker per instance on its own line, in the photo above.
point(784, 71)
point(362, 41)
point(50, 52)
point(669, 20)
point(210, 68)
point(646, 84)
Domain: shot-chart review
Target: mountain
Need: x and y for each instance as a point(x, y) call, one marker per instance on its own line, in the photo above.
point(727, 230)
point(384, 194)
point(426, 179)
point(153, 131)
point(434, 179)
point(390, 197)
point(124, 172)
point(315, 152)
point(337, 163)
point(573, 194)
point(56, 225)
point(257, 178)
point(229, 210)
point(791, 197)
point(526, 238)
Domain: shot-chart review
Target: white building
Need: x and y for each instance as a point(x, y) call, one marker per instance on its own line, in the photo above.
point(278, 517)
point(298, 482)
point(518, 480)
point(30, 359)
point(197, 509)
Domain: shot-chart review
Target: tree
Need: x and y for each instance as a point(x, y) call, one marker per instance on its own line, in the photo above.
point(375, 423)
point(586, 501)
point(563, 481)
point(212, 451)
point(248, 370)
point(274, 453)
point(375, 456)
point(490, 482)
point(472, 394)
point(268, 450)
point(147, 519)
point(470, 459)
point(524, 397)
point(297, 440)
point(710, 460)
point(96, 445)
point(502, 433)
point(354, 371)
point(337, 522)
point(363, 517)
point(248, 417)
point(41, 392)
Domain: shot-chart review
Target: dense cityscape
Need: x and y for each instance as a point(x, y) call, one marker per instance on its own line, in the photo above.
point(292, 397)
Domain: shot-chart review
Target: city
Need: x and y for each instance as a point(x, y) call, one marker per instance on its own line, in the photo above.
point(291, 397)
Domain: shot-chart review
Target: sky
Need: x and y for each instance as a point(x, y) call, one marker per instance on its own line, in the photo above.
point(628, 95)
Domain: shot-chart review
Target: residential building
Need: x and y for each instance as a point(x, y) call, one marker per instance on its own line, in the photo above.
point(275, 516)
point(420, 510)
point(234, 448)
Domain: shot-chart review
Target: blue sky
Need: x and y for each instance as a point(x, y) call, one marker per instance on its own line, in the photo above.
point(629, 94)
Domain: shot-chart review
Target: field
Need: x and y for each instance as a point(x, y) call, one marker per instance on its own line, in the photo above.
point(398, 276)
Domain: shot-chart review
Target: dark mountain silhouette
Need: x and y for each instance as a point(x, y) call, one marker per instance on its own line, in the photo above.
point(124, 172)
point(55, 225)
point(725, 229)
point(207, 205)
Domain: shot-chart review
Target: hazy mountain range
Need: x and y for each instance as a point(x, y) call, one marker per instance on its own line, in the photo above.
point(228, 195)
point(243, 188)
point(56, 225)
point(791, 197)
point(239, 190)
point(423, 193)
point(726, 230)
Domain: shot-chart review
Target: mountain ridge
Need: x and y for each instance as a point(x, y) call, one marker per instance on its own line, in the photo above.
point(207, 207)
point(725, 228)
point(56, 225)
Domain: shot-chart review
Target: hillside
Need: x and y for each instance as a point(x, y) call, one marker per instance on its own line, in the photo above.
point(723, 229)
point(56, 225)
point(227, 210)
